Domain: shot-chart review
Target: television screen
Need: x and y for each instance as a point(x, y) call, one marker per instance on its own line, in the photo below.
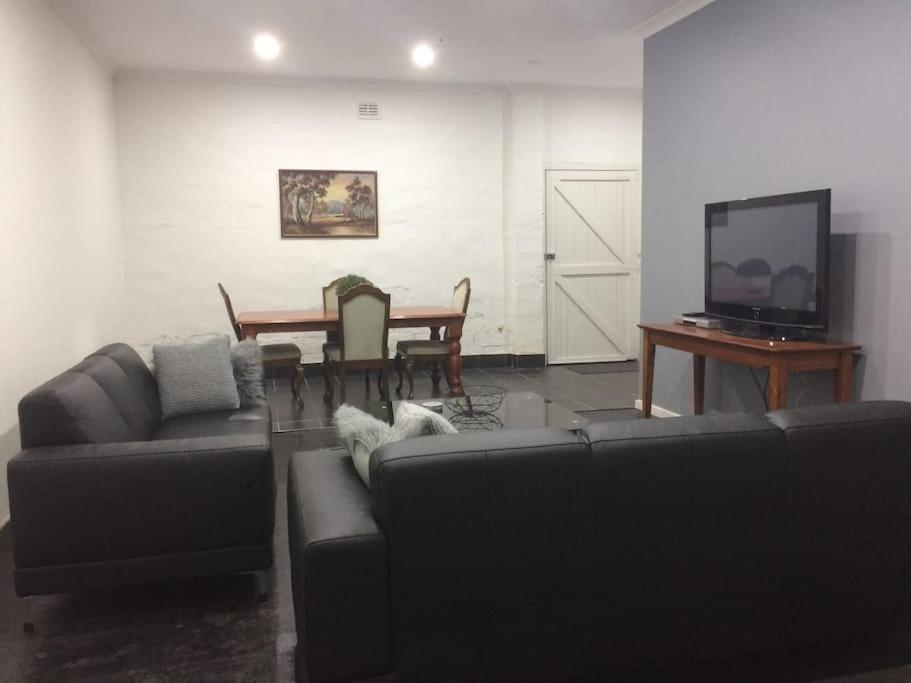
point(767, 259)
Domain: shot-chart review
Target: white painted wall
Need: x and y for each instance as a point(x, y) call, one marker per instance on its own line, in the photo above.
point(199, 167)
point(461, 192)
point(61, 255)
point(554, 129)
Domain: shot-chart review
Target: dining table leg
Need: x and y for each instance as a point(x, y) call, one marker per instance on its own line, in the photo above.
point(455, 358)
point(435, 367)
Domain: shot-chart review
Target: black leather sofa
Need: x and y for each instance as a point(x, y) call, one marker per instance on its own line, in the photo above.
point(104, 492)
point(537, 555)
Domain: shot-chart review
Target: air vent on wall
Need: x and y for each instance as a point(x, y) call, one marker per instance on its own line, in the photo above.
point(368, 110)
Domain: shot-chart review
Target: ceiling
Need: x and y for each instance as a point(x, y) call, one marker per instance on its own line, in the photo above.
point(558, 42)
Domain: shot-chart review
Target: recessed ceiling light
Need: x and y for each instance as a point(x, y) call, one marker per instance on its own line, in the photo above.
point(423, 55)
point(266, 46)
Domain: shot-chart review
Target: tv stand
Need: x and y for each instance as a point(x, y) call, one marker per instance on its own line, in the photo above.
point(780, 357)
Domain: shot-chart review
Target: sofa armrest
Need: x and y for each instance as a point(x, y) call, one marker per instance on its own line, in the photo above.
point(339, 569)
point(111, 501)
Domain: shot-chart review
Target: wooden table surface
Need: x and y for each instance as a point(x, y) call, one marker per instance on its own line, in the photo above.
point(780, 357)
point(746, 343)
point(316, 316)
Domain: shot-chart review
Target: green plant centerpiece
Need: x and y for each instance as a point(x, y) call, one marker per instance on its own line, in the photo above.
point(349, 282)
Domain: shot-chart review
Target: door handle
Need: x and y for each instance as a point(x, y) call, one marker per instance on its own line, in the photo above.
point(549, 256)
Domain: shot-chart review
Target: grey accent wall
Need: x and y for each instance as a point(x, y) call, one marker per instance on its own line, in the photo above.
point(750, 97)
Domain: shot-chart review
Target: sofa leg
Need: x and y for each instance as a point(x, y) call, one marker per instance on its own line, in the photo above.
point(263, 584)
point(28, 622)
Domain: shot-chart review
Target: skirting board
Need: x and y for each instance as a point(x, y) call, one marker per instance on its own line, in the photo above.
point(657, 411)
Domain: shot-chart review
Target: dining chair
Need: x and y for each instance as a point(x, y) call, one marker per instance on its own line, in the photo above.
point(433, 351)
point(274, 355)
point(330, 303)
point(363, 340)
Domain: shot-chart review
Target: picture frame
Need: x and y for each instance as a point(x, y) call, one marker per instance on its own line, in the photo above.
point(319, 204)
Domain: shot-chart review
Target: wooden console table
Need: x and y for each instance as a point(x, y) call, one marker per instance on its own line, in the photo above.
point(780, 357)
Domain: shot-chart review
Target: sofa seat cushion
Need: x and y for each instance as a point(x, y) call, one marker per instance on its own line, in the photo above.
point(422, 347)
point(248, 421)
point(280, 353)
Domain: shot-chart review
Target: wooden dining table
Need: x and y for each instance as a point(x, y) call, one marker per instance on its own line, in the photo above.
point(253, 323)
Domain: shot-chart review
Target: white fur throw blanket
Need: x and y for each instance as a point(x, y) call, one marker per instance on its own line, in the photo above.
point(362, 434)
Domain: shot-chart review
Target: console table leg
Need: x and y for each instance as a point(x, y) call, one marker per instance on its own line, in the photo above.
point(844, 378)
point(778, 386)
point(648, 374)
point(698, 383)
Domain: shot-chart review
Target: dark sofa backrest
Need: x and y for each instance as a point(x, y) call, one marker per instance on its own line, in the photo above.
point(689, 514)
point(488, 537)
point(533, 555)
point(849, 516)
point(110, 396)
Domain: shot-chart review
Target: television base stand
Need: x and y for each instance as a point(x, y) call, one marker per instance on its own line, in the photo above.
point(780, 357)
point(769, 332)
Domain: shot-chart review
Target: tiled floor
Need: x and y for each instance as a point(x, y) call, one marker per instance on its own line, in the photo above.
point(213, 629)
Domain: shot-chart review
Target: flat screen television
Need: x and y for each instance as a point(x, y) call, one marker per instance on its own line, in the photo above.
point(767, 263)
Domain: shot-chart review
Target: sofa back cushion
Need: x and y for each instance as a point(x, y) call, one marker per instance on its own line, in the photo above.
point(689, 516)
point(488, 537)
point(109, 396)
point(849, 516)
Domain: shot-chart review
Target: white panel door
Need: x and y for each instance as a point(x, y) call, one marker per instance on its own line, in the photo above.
point(593, 238)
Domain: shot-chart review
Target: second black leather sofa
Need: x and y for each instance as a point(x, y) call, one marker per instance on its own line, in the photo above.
point(534, 555)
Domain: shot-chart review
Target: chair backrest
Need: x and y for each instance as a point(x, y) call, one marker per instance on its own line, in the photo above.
point(330, 303)
point(330, 296)
point(364, 324)
point(230, 309)
point(461, 293)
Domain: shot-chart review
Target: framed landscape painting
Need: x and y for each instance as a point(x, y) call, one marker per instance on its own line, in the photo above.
point(328, 203)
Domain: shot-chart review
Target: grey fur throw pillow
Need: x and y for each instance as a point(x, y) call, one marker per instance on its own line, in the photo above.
point(247, 361)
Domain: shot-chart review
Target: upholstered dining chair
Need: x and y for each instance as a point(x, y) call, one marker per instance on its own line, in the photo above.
point(363, 339)
point(330, 303)
point(433, 351)
point(274, 355)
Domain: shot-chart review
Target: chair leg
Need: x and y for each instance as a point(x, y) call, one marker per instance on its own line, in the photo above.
point(343, 380)
point(297, 378)
point(293, 382)
point(327, 379)
point(409, 372)
point(379, 380)
point(367, 380)
point(435, 377)
point(389, 412)
point(398, 371)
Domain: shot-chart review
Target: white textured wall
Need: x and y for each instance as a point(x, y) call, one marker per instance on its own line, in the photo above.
point(62, 258)
point(554, 129)
point(461, 192)
point(199, 167)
